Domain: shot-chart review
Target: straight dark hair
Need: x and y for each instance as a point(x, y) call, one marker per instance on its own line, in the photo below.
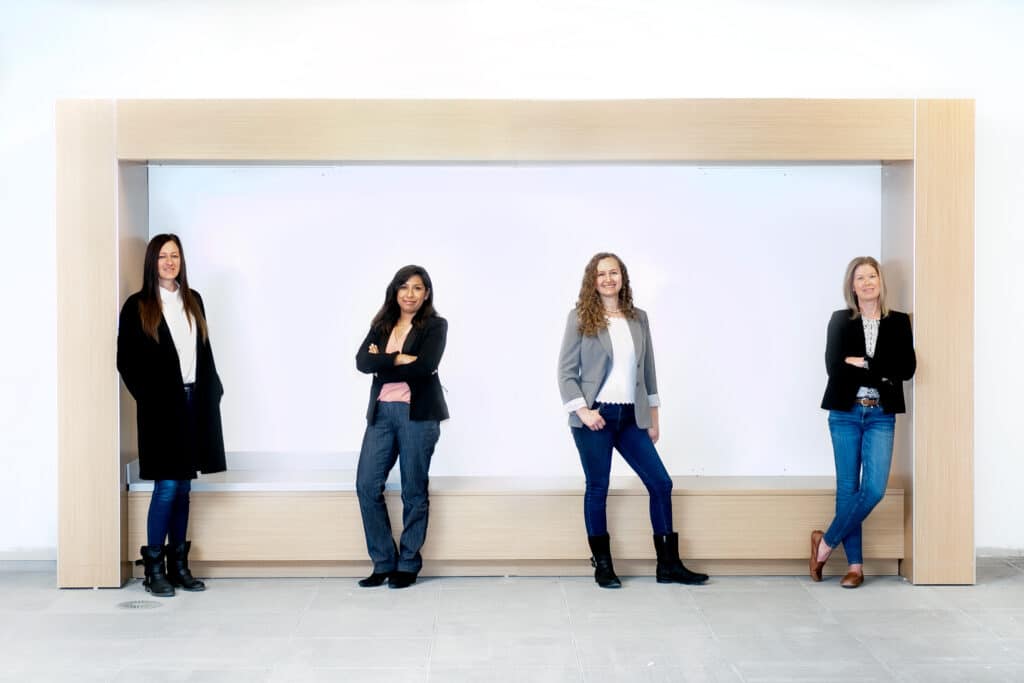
point(151, 308)
point(389, 313)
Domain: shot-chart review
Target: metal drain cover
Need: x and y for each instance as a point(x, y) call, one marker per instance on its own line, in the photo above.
point(139, 604)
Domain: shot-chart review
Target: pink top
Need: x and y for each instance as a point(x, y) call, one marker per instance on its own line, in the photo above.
point(395, 392)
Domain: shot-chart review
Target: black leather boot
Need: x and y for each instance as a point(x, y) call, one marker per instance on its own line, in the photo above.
point(604, 572)
point(375, 579)
point(177, 568)
point(156, 578)
point(670, 567)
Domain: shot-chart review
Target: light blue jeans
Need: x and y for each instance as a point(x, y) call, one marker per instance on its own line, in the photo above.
point(862, 444)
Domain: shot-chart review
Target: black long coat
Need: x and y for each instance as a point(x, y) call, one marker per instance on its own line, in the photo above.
point(152, 373)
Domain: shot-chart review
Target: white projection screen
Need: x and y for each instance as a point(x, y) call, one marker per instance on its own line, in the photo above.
point(738, 267)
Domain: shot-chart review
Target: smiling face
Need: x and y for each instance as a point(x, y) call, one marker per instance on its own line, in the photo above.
point(168, 263)
point(867, 285)
point(411, 295)
point(608, 280)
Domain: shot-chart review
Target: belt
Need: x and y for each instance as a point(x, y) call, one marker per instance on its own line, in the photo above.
point(867, 402)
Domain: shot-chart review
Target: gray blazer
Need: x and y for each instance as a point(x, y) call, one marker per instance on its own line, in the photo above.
point(584, 363)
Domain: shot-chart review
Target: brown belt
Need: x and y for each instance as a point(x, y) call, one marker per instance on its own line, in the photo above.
point(867, 402)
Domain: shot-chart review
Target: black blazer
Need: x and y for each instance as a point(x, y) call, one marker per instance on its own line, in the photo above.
point(894, 361)
point(152, 372)
point(427, 343)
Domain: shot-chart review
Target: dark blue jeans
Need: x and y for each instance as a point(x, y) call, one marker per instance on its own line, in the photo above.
point(394, 437)
point(637, 449)
point(168, 511)
point(862, 444)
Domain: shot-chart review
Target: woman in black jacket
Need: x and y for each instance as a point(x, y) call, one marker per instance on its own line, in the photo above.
point(868, 356)
point(165, 360)
point(402, 350)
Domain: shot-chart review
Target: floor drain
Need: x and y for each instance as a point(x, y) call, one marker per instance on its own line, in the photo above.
point(139, 604)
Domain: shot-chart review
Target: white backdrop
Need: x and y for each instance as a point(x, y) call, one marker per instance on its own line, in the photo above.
point(738, 267)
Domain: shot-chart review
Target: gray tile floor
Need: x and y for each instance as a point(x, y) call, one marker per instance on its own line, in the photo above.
point(517, 629)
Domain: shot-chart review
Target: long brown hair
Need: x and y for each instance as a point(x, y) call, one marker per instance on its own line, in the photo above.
point(589, 307)
point(389, 312)
point(151, 308)
point(850, 296)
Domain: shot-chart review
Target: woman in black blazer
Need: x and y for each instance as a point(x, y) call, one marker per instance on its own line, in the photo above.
point(868, 356)
point(402, 351)
point(165, 359)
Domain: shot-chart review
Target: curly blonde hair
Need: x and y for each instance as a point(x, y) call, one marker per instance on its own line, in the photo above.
point(589, 309)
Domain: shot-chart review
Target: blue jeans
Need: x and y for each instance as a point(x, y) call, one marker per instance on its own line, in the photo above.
point(168, 511)
point(394, 437)
point(637, 449)
point(862, 444)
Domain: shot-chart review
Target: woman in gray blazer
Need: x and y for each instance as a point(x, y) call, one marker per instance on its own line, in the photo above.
point(609, 388)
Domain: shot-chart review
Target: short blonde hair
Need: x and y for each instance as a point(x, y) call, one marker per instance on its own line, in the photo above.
point(851, 297)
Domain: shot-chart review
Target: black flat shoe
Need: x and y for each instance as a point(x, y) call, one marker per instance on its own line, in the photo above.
point(374, 580)
point(401, 579)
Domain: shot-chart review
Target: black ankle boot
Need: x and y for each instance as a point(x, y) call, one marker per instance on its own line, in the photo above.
point(604, 572)
point(400, 579)
point(156, 578)
point(670, 567)
point(375, 579)
point(177, 568)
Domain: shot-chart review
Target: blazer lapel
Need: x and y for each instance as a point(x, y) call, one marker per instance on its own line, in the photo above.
point(606, 341)
point(638, 336)
point(410, 339)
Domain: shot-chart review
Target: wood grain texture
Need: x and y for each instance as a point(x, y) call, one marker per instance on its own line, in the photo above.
point(314, 527)
point(898, 267)
point(515, 130)
point(88, 472)
point(943, 497)
point(577, 567)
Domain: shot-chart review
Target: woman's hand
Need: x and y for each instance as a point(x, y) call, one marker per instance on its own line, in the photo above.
point(591, 418)
point(404, 359)
point(374, 349)
point(654, 431)
point(856, 361)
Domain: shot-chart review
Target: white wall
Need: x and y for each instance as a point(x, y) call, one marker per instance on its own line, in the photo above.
point(293, 261)
point(506, 49)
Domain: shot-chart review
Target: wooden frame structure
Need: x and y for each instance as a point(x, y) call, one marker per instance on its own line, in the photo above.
point(926, 146)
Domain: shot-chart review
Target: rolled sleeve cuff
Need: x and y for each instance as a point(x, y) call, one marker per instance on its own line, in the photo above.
point(574, 405)
point(653, 401)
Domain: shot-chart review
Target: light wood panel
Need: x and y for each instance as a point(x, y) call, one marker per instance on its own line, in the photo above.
point(944, 325)
point(578, 567)
point(315, 526)
point(898, 267)
point(132, 237)
point(92, 136)
point(515, 130)
point(89, 515)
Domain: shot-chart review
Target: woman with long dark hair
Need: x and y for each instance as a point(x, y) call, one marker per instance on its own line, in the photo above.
point(402, 351)
point(868, 356)
point(609, 388)
point(165, 359)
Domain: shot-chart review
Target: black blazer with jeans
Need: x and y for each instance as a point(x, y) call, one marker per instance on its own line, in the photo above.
point(894, 361)
point(427, 343)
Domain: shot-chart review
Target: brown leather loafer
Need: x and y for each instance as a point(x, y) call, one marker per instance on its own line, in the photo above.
point(852, 580)
point(816, 567)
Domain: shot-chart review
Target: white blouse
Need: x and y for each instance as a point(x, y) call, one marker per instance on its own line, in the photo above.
point(870, 339)
point(620, 385)
point(183, 332)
